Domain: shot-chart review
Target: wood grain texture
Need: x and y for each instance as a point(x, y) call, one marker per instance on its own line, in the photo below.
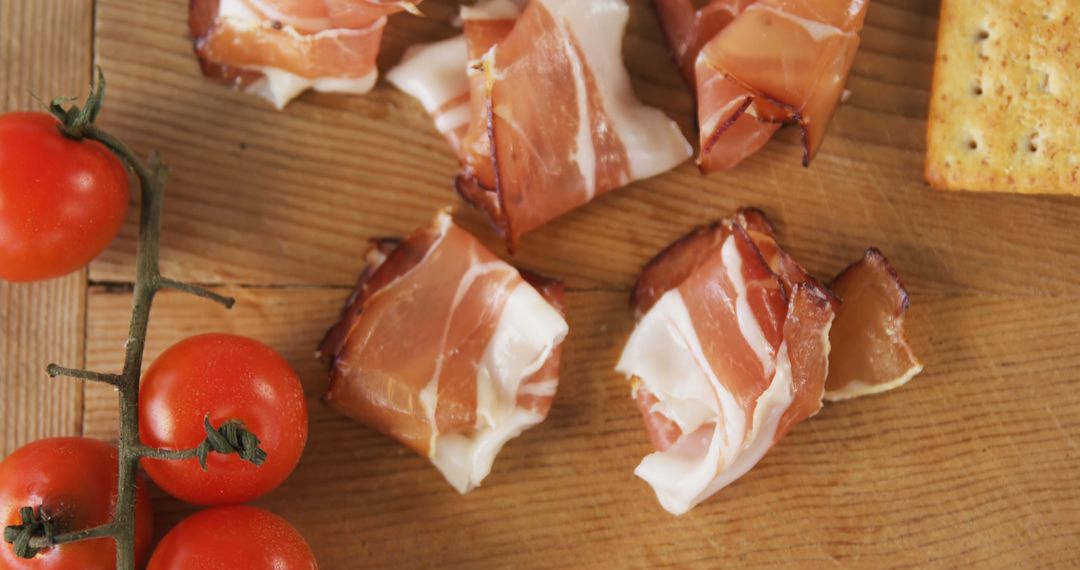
point(45, 51)
point(974, 463)
point(266, 197)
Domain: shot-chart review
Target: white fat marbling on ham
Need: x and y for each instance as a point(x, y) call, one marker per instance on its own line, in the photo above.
point(429, 397)
point(818, 31)
point(712, 122)
point(237, 9)
point(665, 354)
point(546, 388)
point(653, 142)
point(527, 333)
point(584, 152)
point(659, 353)
point(434, 73)
point(748, 323)
point(279, 86)
point(857, 388)
point(770, 407)
point(270, 10)
point(455, 118)
point(612, 139)
point(447, 348)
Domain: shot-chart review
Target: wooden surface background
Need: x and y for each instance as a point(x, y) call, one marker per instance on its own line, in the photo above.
point(974, 463)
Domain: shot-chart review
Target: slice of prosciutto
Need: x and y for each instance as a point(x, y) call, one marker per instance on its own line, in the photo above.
point(446, 348)
point(542, 114)
point(757, 64)
point(279, 48)
point(732, 349)
point(870, 352)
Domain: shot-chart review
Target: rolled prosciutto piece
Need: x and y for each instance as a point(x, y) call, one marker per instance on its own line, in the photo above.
point(447, 348)
point(757, 64)
point(733, 347)
point(540, 110)
point(279, 48)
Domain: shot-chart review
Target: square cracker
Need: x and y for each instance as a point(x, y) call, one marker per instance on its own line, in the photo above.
point(1005, 104)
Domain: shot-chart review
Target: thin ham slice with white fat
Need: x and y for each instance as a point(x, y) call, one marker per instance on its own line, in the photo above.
point(871, 354)
point(553, 120)
point(280, 48)
point(447, 349)
point(732, 350)
point(756, 64)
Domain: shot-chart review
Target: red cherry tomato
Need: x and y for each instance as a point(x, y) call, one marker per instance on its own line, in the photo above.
point(61, 200)
point(227, 377)
point(73, 481)
point(231, 538)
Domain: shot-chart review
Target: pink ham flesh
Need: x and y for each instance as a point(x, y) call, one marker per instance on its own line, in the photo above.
point(808, 346)
point(553, 120)
point(761, 345)
point(758, 63)
point(870, 352)
point(312, 39)
point(415, 331)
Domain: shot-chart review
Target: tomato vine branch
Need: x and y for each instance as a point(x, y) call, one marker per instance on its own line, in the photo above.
point(36, 532)
point(53, 371)
point(231, 437)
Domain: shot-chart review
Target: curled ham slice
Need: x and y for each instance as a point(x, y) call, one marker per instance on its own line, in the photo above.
point(757, 64)
point(551, 121)
point(280, 48)
point(870, 352)
point(732, 350)
point(447, 349)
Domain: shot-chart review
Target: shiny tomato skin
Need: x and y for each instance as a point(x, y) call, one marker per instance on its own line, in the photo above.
point(231, 538)
point(227, 377)
point(62, 201)
point(73, 479)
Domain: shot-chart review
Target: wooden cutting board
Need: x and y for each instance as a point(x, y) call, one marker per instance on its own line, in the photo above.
point(976, 462)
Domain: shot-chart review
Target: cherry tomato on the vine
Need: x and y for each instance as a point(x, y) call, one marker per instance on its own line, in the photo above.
point(225, 377)
point(71, 480)
point(231, 538)
point(61, 200)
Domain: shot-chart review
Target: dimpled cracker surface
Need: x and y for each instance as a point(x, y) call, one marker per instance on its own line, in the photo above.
point(1005, 109)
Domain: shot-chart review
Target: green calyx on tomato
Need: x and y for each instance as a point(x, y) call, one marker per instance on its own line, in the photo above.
point(68, 484)
point(234, 382)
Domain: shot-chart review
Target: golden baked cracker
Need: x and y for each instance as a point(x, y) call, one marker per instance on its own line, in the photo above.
point(1005, 106)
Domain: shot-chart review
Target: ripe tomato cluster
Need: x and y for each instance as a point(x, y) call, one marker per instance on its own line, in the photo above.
point(62, 201)
point(224, 377)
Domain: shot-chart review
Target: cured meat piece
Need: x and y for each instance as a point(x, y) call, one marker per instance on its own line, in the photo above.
point(280, 48)
point(723, 363)
point(447, 349)
point(443, 75)
point(733, 348)
point(870, 352)
point(432, 73)
point(688, 29)
point(756, 64)
point(554, 122)
point(676, 262)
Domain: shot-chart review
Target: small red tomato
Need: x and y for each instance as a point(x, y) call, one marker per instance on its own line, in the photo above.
point(61, 200)
point(231, 538)
point(225, 377)
point(72, 480)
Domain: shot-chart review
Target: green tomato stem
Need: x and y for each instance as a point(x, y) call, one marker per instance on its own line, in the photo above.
point(152, 176)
